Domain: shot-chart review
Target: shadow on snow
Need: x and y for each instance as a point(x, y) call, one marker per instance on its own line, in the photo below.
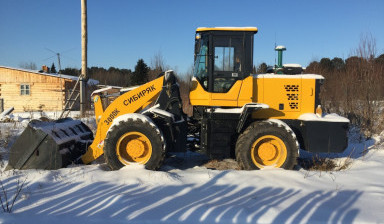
point(207, 203)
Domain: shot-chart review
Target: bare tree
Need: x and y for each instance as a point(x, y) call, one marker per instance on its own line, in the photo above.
point(157, 65)
point(158, 62)
point(185, 84)
point(28, 65)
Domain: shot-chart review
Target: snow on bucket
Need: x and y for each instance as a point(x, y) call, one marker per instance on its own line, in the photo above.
point(50, 144)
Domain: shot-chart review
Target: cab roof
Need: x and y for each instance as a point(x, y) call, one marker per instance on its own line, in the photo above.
point(249, 29)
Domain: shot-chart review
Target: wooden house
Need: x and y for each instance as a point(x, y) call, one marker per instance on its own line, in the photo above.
point(28, 90)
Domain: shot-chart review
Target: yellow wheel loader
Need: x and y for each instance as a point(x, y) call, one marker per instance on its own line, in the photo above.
point(261, 120)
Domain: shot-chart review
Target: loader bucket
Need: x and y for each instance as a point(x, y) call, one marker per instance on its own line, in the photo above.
point(50, 144)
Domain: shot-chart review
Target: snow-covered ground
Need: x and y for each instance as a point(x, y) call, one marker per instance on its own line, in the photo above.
point(184, 191)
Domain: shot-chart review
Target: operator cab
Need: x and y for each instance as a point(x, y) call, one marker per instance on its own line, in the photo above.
point(223, 55)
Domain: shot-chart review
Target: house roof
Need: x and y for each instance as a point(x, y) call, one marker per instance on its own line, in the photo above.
point(63, 76)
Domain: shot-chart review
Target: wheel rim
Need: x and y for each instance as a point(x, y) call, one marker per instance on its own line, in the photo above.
point(268, 151)
point(133, 147)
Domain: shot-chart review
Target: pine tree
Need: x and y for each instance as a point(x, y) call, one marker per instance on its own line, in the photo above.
point(338, 63)
point(262, 68)
point(140, 75)
point(53, 68)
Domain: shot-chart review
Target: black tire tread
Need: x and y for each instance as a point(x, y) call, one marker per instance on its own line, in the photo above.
point(242, 145)
point(158, 145)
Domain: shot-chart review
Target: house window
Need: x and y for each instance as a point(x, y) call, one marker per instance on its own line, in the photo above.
point(25, 89)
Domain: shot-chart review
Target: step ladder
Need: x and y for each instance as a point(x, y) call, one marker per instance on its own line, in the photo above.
point(71, 100)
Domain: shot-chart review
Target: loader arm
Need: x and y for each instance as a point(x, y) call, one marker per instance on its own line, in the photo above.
point(130, 102)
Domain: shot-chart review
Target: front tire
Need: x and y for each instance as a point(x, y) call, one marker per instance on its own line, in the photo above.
point(266, 144)
point(134, 141)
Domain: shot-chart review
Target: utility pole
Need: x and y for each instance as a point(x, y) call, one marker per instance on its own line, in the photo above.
point(58, 59)
point(84, 43)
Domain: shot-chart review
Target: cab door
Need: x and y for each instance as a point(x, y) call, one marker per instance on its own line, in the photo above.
point(228, 57)
point(223, 60)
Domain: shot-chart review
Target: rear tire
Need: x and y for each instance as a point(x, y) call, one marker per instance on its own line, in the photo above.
point(266, 144)
point(134, 141)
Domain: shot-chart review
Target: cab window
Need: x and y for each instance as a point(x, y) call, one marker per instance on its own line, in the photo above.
point(224, 60)
point(201, 61)
point(228, 60)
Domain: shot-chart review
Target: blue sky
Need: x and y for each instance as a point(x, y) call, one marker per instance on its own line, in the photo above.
point(122, 31)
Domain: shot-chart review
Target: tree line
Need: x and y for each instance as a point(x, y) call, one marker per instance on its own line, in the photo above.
point(123, 77)
point(116, 76)
point(354, 87)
